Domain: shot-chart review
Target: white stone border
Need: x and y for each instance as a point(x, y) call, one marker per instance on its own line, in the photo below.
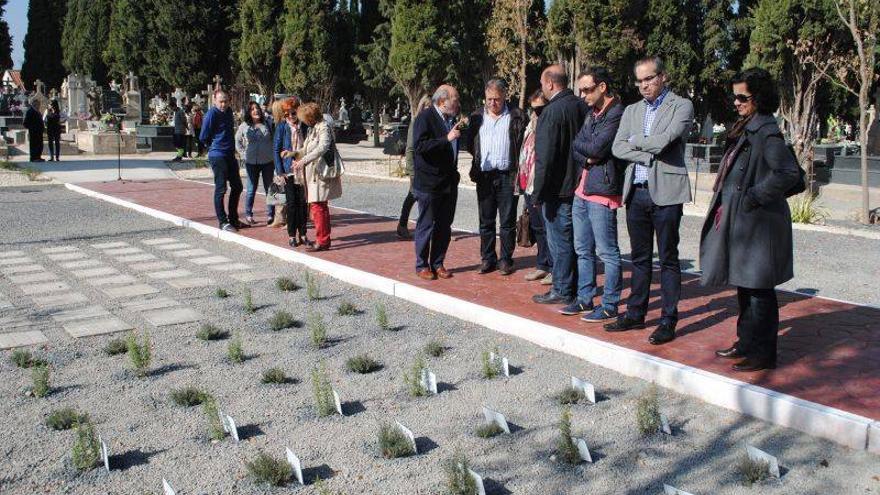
point(848, 429)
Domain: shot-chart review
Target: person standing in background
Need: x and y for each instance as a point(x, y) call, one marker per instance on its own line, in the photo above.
point(218, 134)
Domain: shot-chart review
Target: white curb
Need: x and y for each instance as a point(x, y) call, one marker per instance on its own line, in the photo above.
point(848, 429)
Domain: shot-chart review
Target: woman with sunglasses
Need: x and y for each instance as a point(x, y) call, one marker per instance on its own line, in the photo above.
point(746, 239)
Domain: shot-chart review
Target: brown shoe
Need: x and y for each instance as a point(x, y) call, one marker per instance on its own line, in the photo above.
point(426, 274)
point(442, 272)
point(536, 275)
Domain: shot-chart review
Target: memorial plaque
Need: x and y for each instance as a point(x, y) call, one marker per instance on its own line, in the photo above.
point(478, 480)
point(293, 460)
point(664, 424)
point(758, 455)
point(409, 435)
point(166, 488)
point(671, 490)
point(337, 403)
point(505, 364)
point(583, 450)
point(493, 416)
point(105, 454)
point(585, 387)
point(429, 381)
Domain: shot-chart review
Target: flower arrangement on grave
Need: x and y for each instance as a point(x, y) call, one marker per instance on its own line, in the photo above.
point(108, 121)
point(161, 115)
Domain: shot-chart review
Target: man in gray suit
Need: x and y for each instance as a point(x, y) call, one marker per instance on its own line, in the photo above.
point(651, 137)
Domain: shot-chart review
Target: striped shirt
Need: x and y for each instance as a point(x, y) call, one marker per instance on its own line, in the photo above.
point(641, 171)
point(495, 142)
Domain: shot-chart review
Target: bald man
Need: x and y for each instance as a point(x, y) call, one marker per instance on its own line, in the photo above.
point(435, 181)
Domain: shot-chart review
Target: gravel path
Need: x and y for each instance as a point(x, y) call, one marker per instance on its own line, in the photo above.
point(150, 438)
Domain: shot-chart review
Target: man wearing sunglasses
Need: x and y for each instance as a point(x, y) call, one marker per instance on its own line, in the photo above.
point(651, 137)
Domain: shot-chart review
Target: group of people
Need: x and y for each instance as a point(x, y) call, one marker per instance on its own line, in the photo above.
point(48, 123)
point(576, 160)
point(187, 121)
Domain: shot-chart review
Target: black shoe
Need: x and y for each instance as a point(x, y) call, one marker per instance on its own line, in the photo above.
point(664, 333)
point(403, 233)
point(755, 364)
point(486, 267)
point(625, 323)
point(551, 297)
point(731, 352)
point(505, 268)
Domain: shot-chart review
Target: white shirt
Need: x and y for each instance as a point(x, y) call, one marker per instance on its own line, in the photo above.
point(495, 141)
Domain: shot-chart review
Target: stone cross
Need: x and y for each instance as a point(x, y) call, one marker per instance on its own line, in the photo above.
point(39, 87)
point(198, 100)
point(178, 95)
point(53, 94)
point(132, 81)
point(156, 102)
point(217, 82)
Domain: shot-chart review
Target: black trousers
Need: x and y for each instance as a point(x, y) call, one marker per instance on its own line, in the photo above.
point(297, 208)
point(495, 198)
point(434, 228)
point(407, 206)
point(54, 145)
point(643, 220)
point(35, 141)
point(758, 322)
point(225, 170)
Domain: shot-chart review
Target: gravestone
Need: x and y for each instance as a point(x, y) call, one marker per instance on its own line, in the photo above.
point(229, 426)
point(179, 96)
point(166, 488)
point(587, 388)
point(132, 99)
point(505, 364)
point(492, 416)
point(664, 424)
point(583, 450)
point(429, 381)
point(478, 480)
point(110, 101)
point(758, 455)
point(409, 435)
point(671, 490)
point(337, 403)
point(105, 453)
point(296, 465)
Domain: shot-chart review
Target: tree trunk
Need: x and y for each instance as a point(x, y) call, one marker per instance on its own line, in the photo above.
point(524, 62)
point(376, 129)
point(863, 144)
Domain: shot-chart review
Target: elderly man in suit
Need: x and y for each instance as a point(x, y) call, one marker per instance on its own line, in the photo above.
point(435, 181)
point(651, 137)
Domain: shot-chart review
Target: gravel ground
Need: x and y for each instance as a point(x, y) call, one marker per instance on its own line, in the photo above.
point(150, 438)
point(820, 257)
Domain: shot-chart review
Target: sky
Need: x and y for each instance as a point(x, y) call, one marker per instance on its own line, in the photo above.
point(16, 17)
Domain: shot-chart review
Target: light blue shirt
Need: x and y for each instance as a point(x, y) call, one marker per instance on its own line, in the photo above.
point(641, 171)
point(495, 142)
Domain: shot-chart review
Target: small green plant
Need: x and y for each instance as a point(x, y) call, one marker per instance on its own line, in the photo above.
point(322, 489)
point(489, 430)
point(140, 353)
point(490, 368)
point(86, 449)
point(65, 419)
point(22, 358)
point(281, 320)
point(382, 317)
point(435, 348)
point(648, 411)
point(115, 347)
point(325, 404)
point(235, 351)
point(752, 471)
point(249, 306)
point(221, 293)
point(210, 331)
point(413, 378)
point(317, 330)
point(313, 288)
point(32, 173)
point(570, 396)
point(565, 447)
point(269, 470)
point(456, 470)
point(188, 396)
point(40, 376)
point(805, 210)
point(212, 415)
point(274, 375)
point(285, 284)
point(363, 364)
point(393, 443)
point(347, 308)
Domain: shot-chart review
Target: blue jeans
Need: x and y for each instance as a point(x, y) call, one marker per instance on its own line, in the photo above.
point(560, 239)
point(225, 170)
point(595, 231)
point(254, 171)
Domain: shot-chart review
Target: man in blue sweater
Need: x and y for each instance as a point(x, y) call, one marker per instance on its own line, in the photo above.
point(218, 134)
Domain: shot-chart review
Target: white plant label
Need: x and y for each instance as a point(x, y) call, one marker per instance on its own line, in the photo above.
point(585, 387)
point(409, 435)
point(505, 364)
point(338, 403)
point(293, 460)
point(105, 454)
point(664, 424)
point(429, 381)
point(758, 455)
point(166, 488)
point(493, 416)
point(671, 490)
point(478, 480)
point(231, 428)
point(583, 450)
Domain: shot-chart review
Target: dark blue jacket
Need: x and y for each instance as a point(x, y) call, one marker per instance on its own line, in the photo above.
point(281, 141)
point(218, 133)
point(594, 140)
point(435, 165)
point(556, 173)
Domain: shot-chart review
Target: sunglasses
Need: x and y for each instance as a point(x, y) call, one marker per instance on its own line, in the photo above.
point(647, 80)
point(588, 89)
point(742, 98)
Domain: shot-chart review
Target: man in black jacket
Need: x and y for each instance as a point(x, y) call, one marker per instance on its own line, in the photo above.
point(556, 176)
point(33, 122)
point(494, 139)
point(435, 181)
point(597, 198)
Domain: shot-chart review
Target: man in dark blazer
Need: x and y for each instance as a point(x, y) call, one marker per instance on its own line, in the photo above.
point(556, 176)
point(435, 181)
point(33, 122)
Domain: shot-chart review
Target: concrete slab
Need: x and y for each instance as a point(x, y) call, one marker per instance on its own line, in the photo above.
point(13, 322)
point(70, 265)
point(123, 251)
point(31, 290)
point(232, 267)
point(76, 255)
point(21, 339)
point(122, 291)
point(57, 300)
point(188, 283)
point(163, 317)
point(252, 276)
point(172, 247)
point(111, 245)
point(4, 303)
point(132, 258)
point(114, 280)
point(160, 240)
point(153, 265)
point(101, 326)
point(60, 249)
point(157, 303)
point(11, 254)
point(15, 261)
point(30, 278)
point(164, 275)
point(189, 253)
point(11, 270)
point(95, 272)
point(211, 260)
point(80, 314)
point(103, 168)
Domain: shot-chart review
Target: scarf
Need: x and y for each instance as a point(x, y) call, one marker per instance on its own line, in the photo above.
point(734, 143)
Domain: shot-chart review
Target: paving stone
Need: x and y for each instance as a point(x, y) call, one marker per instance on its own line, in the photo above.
point(67, 256)
point(210, 260)
point(30, 278)
point(110, 245)
point(163, 317)
point(154, 265)
point(169, 274)
point(11, 270)
point(232, 267)
point(70, 265)
point(4, 303)
point(87, 328)
point(188, 253)
point(114, 280)
point(157, 303)
point(21, 339)
point(56, 300)
point(160, 240)
point(60, 249)
point(11, 254)
point(118, 292)
point(170, 247)
point(15, 261)
point(12, 322)
point(187, 283)
point(131, 258)
point(95, 272)
point(30, 290)
point(79, 314)
point(123, 251)
point(252, 276)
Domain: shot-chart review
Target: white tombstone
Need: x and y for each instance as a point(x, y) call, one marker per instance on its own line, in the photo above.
point(671, 490)
point(179, 95)
point(429, 381)
point(76, 99)
point(587, 388)
point(583, 450)
point(758, 455)
point(493, 416)
point(166, 488)
point(337, 403)
point(478, 480)
point(295, 463)
point(198, 100)
point(132, 82)
point(505, 364)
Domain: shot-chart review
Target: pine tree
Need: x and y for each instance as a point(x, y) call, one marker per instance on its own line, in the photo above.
point(259, 46)
point(512, 38)
point(718, 47)
point(306, 55)
point(372, 56)
point(85, 36)
point(673, 36)
point(416, 57)
point(42, 43)
point(5, 40)
point(467, 61)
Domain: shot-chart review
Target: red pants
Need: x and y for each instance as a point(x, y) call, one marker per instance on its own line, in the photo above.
point(320, 212)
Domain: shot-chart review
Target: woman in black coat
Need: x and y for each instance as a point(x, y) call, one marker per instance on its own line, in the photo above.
point(746, 239)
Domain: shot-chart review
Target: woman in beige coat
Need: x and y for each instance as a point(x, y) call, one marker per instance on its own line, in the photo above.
point(319, 191)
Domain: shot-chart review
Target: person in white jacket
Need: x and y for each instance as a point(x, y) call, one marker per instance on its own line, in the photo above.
point(253, 141)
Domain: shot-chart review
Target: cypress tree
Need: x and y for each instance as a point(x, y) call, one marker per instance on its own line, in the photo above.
point(259, 45)
point(673, 37)
point(128, 32)
point(306, 56)
point(42, 43)
point(5, 40)
point(85, 36)
point(372, 56)
point(416, 57)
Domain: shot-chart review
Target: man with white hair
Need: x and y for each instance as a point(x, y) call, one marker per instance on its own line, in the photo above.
point(33, 122)
point(435, 181)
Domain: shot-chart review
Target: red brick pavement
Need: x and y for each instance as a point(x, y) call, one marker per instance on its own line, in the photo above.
point(829, 351)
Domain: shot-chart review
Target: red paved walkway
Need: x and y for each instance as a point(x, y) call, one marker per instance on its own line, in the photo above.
point(829, 352)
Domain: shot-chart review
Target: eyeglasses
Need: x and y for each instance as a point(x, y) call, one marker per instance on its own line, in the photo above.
point(647, 80)
point(588, 89)
point(742, 98)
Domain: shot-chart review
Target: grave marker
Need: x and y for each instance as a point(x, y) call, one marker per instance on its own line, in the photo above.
point(583, 450)
point(478, 480)
point(496, 417)
point(671, 490)
point(337, 403)
point(409, 435)
point(229, 426)
point(166, 488)
point(429, 381)
point(664, 424)
point(294, 462)
point(105, 453)
point(758, 455)
point(505, 364)
point(585, 387)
